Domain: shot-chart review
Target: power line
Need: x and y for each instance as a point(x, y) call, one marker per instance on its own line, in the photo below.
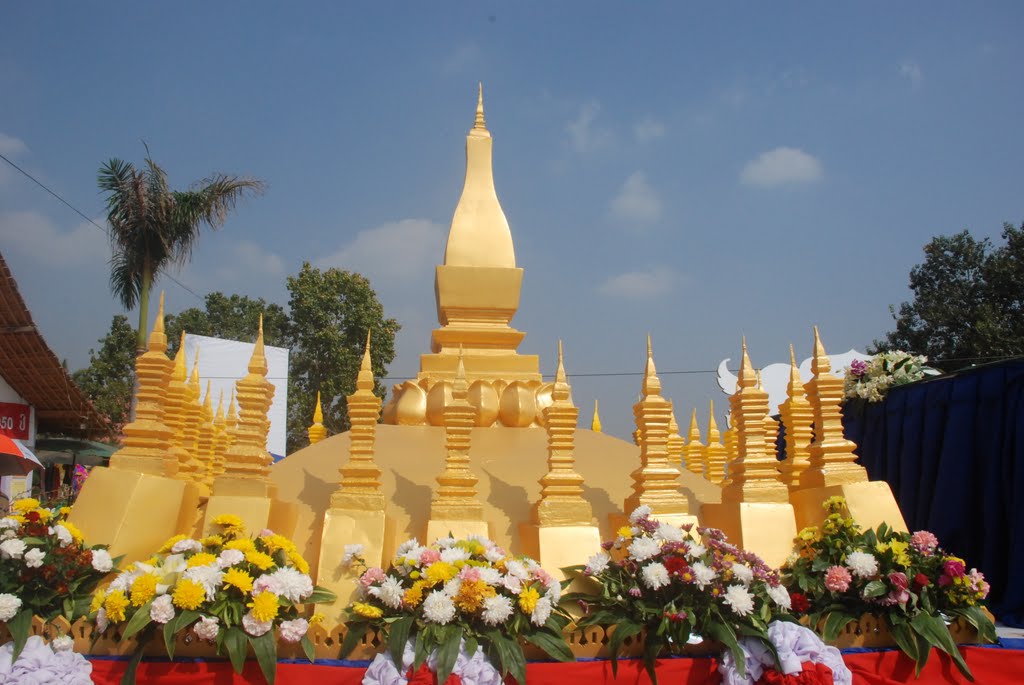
point(82, 214)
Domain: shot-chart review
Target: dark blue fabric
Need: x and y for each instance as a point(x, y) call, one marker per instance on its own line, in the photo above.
point(952, 449)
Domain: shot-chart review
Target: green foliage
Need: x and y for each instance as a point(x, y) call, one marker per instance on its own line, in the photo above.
point(108, 379)
point(968, 301)
point(232, 317)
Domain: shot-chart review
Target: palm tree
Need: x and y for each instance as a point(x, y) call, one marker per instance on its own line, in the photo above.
point(153, 227)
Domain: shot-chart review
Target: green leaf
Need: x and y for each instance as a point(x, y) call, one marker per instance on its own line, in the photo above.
point(321, 595)
point(723, 633)
point(977, 618)
point(137, 622)
point(133, 664)
point(265, 648)
point(932, 629)
point(875, 588)
point(307, 648)
point(448, 652)
point(834, 624)
point(553, 645)
point(19, 628)
point(398, 635)
point(354, 632)
point(169, 631)
point(622, 631)
point(422, 649)
point(905, 639)
point(471, 646)
point(237, 645)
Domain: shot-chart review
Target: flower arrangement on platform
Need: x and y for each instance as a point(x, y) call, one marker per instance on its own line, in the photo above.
point(871, 380)
point(659, 579)
point(453, 593)
point(46, 569)
point(229, 589)
point(840, 572)
point(799, 657)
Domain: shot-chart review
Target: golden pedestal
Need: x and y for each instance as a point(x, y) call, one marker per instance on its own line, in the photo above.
point(371, 529)
point(556, 547)
point(765, 528)
point(254, 502)
point(458, 529)
point(870, 503)
point(134, 513)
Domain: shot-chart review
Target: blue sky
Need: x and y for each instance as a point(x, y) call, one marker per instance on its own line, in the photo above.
point(698, 172)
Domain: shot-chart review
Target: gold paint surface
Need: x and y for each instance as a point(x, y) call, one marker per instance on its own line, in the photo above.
point(870, 503)
point(764, 528)
point(343, 527)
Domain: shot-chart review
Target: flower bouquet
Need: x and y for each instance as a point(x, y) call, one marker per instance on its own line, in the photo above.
point(840, 572)
point(229, 589)
point(46, 569)
point(871, 380)
point(453, 593)
point(660, 579)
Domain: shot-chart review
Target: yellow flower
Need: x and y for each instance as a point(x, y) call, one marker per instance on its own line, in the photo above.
point(244, 545)
point(264, 606)
point(45, 515)
point(259, 560)
point(143, 589)
point(228, 521)
point(212, 541)
point(440, 572)
point(171, 543)
point(367, 610)
point(808, 534)
point(296, 560)
point(152, 561)
point(19, 518)
point(528, 599)
point(115, 604)
point(239, 579)
point(64, 511)
point(899, 552)
point(834, 503)
point(76, 534)
point(414, 595)
point(97, 601)
point(415, 575)
point(625, 532)
point(200, 559)
point(316, 619)
point(25, 505)
point(275, 542)
point(472, 594)
point(188, 594)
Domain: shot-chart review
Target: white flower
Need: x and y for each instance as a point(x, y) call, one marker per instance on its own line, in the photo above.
point(517, 569)
point(254, 627)
point(389, 592)
point(407, 546)
point(293, 631)
point(7, 535)
point(780, 596)
point(541, 612)
point(445, 543)
point(207, 628)
point(289, 583)
point(8, 523)
point(229, 557)
point(452, 587)
point(101, 560)
point(352, 552)
point(124, 579)
point(9, 606)
point(161, 610)
point(12, 549)
point(101, 620)
point(669, 533)
point(554, 592)
point(34, 557)
point(210, 576)
point(742, 573)
point(187, 545)
point(497, 610)
point(494, 554)
point(643, 511)
point(703, 575)
point(512, 584)
point(63, 535)
point(438, 608)
point(453, 554)
point(739, 599)
point(695, 550)
point(655, 576)
point(64, 643)
point(491, 576)
point(862, 564)
point(598, 563)
point(642, 549)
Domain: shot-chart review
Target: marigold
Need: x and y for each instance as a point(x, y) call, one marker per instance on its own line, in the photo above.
point(212, 541)
point(171, 543)
point(243, 545)
point(76, 534)
point(188, 594)
point(64, 511)
point(238, 578)
point(528, 599)
point(200, 559)
point(472, 594)
point(45, 515)
point(25, 505)
point(259, 560)
point(296, 560)
point(228, 521)
point(316, 619)
point(440, 572)
point(367, 610)
point(115, 604)
point(264, 606)
point(275, 542)
point(97, 601)
point(414, 595)
point(143, 589)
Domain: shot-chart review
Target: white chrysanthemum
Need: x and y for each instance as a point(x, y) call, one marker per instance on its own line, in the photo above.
point(655, 576)
point(541, 612)
point(512, 584)
point(290, 583)
point(739, 599)
point(161, 610)
point(102, 622)
point(517, 569)
point(598, 563)
point(453, 554)
point(64, 643)
point(63, 535)
point(187, 545)
point(34, 557)
point(124, 579)
point(12, 549)
point(9, 606)
point(703, 575)
point(207, 628)
point(491, 576)
point(862, 564)
point(494, 554)
point(230, 557)
point(742, 573)
point(8, 523)
point(351, 553)
point(254, 627)
point(695, 550)
point(531, 565)
point(8, 534)
point(669, 533)
point(293, 631)
point(554, 592)
point(452, 587)
point(406, 547)
point(389, 592)
point(101, 560)
point(643, 511)
point(445, 543)
point(780, 595)
point(438, 608)
point(497, 610)
point(642, 549)
point(412, 557)
point(210, 576)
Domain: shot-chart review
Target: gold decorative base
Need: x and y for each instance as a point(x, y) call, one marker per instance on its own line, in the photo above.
point(765, 528)
point(556, 547)
point(373, 530)
point(442, 528)
point(134, 513)
point(257, 513)
point(870, 503)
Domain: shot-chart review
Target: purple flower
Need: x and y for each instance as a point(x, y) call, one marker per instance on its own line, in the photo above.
point(858, 368)
point(635, 592)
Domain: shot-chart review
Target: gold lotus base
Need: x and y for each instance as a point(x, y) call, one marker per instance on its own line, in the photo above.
point(134, 513)
point(556, 547)
point(871, 503)
point(372, 529)
point(257, 513)
point(765, 528)
point(458, 529)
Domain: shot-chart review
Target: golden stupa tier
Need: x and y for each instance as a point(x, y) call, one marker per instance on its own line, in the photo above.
point(515, 404)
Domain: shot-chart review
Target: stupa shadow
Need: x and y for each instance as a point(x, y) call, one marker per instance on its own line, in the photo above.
point(511, 503)
point(414, 499)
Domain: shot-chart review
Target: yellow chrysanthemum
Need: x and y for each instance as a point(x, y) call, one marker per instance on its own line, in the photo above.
point(115, 604)
point(296, 560)
point(834, 503)
point(367, 610)
point(243, 545)
point(171, 543)
point(899, 552)
point(188, 594)
point(316, 619)
point(45, 515)
point(232, 525)
point(97, 601)
point(76, 534)
point(200, 559)
point(625, 532)
point(259, 560)
point(18, 517)
point(264, 606)
point(152, 561)
point(238, 578)
point(25, 505)
point(212, 541)
point(414, 595)
point(440, 572)
point(64, 511)
point(275, 542)
point(528, 599)
point(472, 594)
point(143, 589)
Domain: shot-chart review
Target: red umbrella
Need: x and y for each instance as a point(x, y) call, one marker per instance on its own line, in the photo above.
point(15, 458)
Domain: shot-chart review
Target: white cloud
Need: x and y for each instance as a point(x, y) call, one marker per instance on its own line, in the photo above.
point(35, 237)
point(782, 166)
point(584, 135)
point(397, 251)
point(912, 72)
point(12, 148)
point(246, 259)
point(636, 201)
point(648, 129)
point(640, 284)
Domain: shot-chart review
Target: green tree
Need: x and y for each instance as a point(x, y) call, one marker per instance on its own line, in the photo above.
point(152, 227)
point(331, 312)
point(108, 379)
point(968, 301)
point(232, 317)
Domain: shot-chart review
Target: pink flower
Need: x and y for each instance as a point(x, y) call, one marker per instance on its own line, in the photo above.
point(429, 556)
point(635, 592)
point(978, 583)
point(372, 575)
point(837, 579)
point(924, 542)
point(954, 568)
point(469, 573)
point(899, 594)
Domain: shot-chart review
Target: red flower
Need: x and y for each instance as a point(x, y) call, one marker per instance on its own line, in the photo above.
point(798, 602)
point(921, 580)
point(675, 565)
point(32, 516)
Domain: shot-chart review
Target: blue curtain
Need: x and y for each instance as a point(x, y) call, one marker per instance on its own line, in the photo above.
point(952, 449)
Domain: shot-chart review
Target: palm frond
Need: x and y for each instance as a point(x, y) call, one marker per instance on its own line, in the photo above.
point(126, 278)
point(209, 203)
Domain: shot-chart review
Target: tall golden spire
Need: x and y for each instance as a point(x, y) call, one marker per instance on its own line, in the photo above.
point(798, 420)
point(176, 415)
point(716, 454)
point(595, 424)
point(694, 453)
point(317, 431)
point(195, 469)
point(359, 487)
point(676, 444)
point(205, 437)
point(221, 441)
point(480, 124)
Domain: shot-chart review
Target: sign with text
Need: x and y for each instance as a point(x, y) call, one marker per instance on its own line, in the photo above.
point(14, 420)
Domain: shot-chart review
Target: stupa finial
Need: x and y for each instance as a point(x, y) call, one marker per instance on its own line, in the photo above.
point(480, 124)
point(318, 413)
point(364, 381)
point(747, 377)
point(193, 379)
point(208, 399)
point(180, 371)
point(158, 339)
point(258, 362)
point(652, 384)
point(820, 362)
point(595, 424)
point(560, 389)
point(219, 414)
